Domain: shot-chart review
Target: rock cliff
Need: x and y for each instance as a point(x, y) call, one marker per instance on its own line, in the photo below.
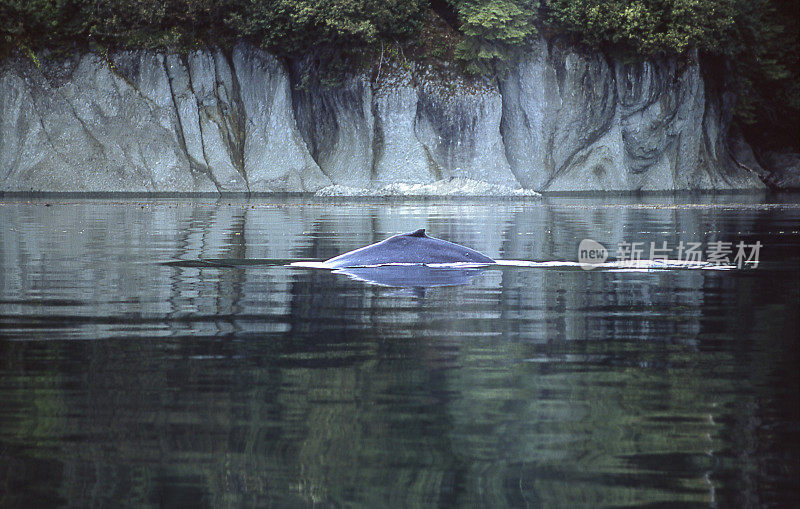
point(242, 121)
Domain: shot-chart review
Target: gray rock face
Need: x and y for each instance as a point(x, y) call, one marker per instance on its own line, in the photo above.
point(399, 154)
point(213, 121)
point(460, 128)
point(146, 122)
point(575, 122)
point(337, 125)
point(275, 156)
point(554, 106)
point(784, 170)
point(67, 136)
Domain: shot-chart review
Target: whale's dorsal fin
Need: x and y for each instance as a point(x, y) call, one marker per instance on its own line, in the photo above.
point(417, 233)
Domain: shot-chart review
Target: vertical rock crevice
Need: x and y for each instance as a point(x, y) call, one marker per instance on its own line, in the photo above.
point(203, 71)
point(336, 123)
point(195, 165)
point(377, 139)
point(241, 121)
point(402, 157)
point(275, 156)
point(236, 116)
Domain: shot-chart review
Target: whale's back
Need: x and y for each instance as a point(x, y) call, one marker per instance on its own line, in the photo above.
point(415, 247)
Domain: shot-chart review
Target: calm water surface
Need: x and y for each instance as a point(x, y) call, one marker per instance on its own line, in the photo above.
point(126, 379)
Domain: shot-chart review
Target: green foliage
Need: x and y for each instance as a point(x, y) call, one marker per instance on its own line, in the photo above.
point(492, 29)
point(39, 23)
point(762, 67)
point(291, 27)
point(328, 29)
point(60, 24)
point(157, 23)
point(749, 46)
point(645, 27)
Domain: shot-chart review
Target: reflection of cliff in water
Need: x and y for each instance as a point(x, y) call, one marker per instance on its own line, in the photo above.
point(264, 385)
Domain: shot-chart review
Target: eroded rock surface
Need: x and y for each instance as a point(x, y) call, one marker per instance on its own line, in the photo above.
point(241, 121)
point(574, 122)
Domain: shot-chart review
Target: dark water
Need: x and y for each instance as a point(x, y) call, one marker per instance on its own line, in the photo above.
point(125, 380)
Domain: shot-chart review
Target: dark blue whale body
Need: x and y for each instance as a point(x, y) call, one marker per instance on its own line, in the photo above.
point(412, 248)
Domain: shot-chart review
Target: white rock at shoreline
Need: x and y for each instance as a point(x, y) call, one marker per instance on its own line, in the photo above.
point(449, 187)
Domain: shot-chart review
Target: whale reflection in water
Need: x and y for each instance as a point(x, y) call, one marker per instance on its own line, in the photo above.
point(411, 276)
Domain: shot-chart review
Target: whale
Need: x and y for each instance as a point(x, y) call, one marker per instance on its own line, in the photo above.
point(416, 248)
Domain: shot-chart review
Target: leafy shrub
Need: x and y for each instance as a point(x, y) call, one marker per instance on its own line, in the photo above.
point(749, 46)
point(492, 30)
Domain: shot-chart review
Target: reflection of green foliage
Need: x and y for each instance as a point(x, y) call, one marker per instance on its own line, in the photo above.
point(43, 407)
point(373, 424)
point(522, 398)
point(543, 426)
